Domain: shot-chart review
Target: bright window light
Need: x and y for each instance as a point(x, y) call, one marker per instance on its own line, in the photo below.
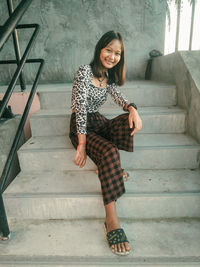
point(170, 29)
point(196, 35)
point(185, 23)
point(184, 27)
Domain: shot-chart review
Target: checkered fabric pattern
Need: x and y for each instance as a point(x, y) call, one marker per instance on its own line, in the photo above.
point(103, 140)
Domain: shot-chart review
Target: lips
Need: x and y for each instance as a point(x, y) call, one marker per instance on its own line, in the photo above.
point(109, 62)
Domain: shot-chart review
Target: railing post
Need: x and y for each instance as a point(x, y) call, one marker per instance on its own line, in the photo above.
point(20, 67)
point(16, 45)
point(4, 228)
point(8, 28)
point(192, 26)
point(178, 24)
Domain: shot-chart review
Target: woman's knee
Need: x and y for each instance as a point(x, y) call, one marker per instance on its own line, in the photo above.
point(111, 156)
point(111, 149)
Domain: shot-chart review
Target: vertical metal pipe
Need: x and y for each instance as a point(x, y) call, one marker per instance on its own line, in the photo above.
point(12, 84)
point(178, 24)
point(10, 24)
point(4, 228)
point(192, 25)
point(16, 45)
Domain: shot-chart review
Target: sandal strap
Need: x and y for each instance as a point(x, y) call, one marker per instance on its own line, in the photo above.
point(116, 237)
point(125, 174)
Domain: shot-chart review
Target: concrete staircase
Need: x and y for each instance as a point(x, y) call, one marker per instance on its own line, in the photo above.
point(56, 211)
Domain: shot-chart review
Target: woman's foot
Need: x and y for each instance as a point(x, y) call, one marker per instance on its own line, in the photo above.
point(121, 247)
point(126, 175)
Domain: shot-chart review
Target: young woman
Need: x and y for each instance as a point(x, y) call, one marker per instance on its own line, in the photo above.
point(100, 138)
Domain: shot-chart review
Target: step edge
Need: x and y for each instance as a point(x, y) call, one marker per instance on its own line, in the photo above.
point(99, 195)
point(64, 113)
point(52, 260)
point(136, 148)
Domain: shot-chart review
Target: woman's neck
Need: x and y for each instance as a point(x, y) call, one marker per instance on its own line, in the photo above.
point(104, 73)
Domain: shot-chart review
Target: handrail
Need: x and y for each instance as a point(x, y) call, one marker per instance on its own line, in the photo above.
point(13, 82)
point(5, 31)
point(13, 21)
point(21, 126)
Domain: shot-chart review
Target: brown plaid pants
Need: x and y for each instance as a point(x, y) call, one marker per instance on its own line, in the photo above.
point(104, 138)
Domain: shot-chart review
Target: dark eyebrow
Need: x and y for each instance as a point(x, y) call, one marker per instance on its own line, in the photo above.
point(118, 51)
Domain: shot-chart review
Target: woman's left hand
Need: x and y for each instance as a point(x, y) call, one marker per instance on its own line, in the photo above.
point(134, 117)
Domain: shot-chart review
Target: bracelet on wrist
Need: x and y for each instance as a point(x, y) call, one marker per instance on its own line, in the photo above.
point(81, 144)
point(131, 105)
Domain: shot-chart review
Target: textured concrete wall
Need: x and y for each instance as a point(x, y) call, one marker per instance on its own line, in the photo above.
point(182, 68)
point(71, 28)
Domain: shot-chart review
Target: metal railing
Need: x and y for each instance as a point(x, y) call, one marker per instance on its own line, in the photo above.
point(10, 28)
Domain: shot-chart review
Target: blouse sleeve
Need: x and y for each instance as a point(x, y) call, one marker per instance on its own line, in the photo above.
point(80, 98)
point(117, 96)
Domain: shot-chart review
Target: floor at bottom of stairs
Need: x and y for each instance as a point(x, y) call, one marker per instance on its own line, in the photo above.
point(82, 243)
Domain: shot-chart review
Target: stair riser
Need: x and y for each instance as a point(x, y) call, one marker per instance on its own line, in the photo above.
point(162, 158)
point(142, 96)
point(141, 181)
point(36, 264)
point(91, 207)
point(58, 242)
point(59, 125)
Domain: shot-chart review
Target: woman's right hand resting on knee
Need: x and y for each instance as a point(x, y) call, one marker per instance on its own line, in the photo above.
point(80, 157)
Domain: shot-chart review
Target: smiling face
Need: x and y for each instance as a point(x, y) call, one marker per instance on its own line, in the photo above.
point(111, 54)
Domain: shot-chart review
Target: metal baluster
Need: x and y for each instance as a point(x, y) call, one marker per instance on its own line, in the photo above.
point(16, 45)
point(4, 228)
point(178, 24)
point(192, 25)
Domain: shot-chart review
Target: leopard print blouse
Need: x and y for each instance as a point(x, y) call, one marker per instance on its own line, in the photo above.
point(87, 98)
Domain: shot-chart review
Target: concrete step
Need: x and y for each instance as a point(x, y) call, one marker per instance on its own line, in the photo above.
point(155, 120)
point(97, 263)
point(141, 181)
point(75, 195)
point(8, 129)
point(151, 151)
point(143, 93)
point(82, 243)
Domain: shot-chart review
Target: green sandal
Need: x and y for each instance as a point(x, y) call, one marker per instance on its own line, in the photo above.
point(126, 175)
point(115, 237)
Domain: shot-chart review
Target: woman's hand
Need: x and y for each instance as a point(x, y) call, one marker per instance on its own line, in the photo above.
point(134, 117)
point(80, 157)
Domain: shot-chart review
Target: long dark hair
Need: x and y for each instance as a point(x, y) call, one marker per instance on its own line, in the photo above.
point(117, 73)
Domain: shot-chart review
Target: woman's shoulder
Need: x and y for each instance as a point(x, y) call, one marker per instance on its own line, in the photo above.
point(84, 72)
point(85, 68)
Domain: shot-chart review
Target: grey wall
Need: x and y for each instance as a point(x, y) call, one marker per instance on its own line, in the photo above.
point(182, 68)
point(71, 28)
